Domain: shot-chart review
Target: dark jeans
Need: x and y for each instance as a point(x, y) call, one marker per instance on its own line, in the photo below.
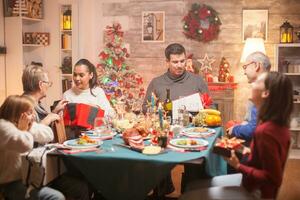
point(72, 187)
point(16, 190)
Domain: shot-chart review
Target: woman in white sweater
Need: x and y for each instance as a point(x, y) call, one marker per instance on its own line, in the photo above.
point(85, 89)
point(18, 131)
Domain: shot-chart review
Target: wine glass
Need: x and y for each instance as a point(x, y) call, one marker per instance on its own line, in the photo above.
point(101, 126)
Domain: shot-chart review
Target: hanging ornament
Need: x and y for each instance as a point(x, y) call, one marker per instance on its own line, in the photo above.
point(109, 61)
point(201, 17)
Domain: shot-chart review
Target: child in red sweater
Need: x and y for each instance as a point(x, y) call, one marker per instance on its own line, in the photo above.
point(272, 94)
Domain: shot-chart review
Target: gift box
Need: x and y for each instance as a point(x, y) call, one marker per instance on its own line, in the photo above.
point(82, 115)
point(224, 147)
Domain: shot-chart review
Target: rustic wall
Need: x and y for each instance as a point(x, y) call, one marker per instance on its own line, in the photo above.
point(148, 58)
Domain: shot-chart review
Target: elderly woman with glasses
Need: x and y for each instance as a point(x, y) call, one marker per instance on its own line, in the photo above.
point(35, 84)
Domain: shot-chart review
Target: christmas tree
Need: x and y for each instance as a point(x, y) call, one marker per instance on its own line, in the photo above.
point(224, 72)
point(121, 84)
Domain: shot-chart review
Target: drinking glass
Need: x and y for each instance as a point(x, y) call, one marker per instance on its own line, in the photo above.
point(101, 126)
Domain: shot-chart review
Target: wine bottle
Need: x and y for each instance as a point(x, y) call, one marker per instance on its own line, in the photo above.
point(168, 103)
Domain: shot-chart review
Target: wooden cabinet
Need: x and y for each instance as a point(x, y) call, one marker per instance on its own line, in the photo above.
point(19, 54)
point(224, 99)
point(287, 61)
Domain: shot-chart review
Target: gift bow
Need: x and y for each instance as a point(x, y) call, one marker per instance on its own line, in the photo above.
point(206, 100)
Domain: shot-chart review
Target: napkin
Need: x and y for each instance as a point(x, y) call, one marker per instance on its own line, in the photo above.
point(74, 151)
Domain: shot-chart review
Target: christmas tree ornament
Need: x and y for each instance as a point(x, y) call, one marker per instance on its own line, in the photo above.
point(206, 64)
point(224, 71)
point(201, 17)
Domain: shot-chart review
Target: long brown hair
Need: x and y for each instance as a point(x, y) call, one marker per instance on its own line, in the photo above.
point(91, 69)
point(278, 106)
point(14, 106)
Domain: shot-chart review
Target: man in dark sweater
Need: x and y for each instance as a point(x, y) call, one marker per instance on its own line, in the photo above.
point(181, 83)
point(177, 79)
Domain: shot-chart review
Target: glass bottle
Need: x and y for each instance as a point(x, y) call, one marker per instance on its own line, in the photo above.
point(168, 103)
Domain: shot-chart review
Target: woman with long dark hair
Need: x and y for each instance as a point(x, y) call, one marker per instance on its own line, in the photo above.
point(85, 89)
point(261, 176)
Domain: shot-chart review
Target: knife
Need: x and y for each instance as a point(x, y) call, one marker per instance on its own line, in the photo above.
point(129, 147)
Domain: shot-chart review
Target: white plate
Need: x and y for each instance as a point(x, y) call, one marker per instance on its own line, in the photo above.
point(200, 143)
point(92, 135)
point(190, 132)
point(74, 145)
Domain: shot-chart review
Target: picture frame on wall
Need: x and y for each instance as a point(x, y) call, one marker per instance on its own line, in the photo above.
point(255, 24)
point(153, 26)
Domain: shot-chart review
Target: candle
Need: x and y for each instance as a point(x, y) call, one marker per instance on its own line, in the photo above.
point(160, 115)
point(152, 100)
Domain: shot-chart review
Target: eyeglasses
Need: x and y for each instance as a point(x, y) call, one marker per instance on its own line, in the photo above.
point(246, 65)
point(49, 83)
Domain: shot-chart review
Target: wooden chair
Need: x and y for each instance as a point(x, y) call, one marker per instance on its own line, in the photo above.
point(60, 131)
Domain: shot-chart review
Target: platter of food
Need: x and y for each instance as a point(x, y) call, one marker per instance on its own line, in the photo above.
point(188, 143)
point(198, 132)
point(82, 143)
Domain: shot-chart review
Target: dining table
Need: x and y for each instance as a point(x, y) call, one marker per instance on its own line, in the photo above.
point(121, 173)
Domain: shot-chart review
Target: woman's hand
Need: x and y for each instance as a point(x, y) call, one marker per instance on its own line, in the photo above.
point(60, 106)
point(25, 122)
point(246, 151)
point(229, 131)
point(233, 160)
point(51, 117)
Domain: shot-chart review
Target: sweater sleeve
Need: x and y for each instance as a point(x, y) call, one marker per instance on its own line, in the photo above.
point(41, 133)
point(203, 88)
point(104, 103)
point(269, 157)
point(245, 131)
point(13, 139)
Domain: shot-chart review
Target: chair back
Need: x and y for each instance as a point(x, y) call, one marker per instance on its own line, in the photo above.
point(289, 189)
point(60, 131)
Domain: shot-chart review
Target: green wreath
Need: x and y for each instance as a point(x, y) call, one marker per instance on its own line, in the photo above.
point(201, 23)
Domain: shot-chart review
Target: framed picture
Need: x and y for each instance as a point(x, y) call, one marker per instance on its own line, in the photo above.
point(153, 26)
point(255, 24)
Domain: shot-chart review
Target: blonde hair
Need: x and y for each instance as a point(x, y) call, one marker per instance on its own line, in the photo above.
point(32, 75)
point(14, 106)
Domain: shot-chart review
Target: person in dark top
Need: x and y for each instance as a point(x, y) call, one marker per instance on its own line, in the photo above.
point(177, 79)
point(261, 175)
point(180, 83)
